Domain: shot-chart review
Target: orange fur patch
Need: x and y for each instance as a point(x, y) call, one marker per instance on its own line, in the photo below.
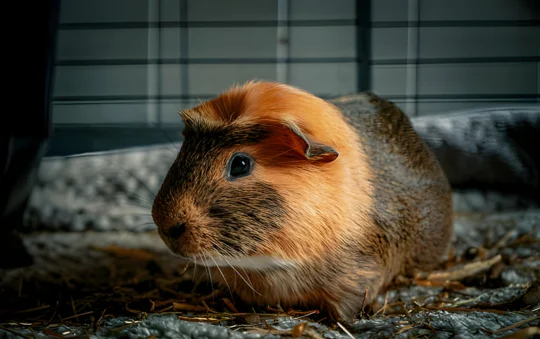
point(324, 198)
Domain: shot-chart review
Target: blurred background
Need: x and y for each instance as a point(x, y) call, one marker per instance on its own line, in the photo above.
point(124, 68)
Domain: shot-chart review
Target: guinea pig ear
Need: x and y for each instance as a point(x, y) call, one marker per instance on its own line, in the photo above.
point(312, 150)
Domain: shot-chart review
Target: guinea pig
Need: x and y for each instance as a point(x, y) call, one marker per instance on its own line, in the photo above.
point(289, 199)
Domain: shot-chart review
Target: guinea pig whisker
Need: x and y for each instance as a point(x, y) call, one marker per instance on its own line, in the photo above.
point(139, 204)
point(140, 181)
point(194, 269)
point(224, 279)
point(229, 252)
point(247, 277)
point(205, 261)
point(241, 277)
point(143, 201)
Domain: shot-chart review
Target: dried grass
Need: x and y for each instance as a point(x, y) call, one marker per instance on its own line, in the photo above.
point(134, 283)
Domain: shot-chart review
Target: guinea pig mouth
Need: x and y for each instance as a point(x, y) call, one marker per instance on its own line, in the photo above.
point(254, 263)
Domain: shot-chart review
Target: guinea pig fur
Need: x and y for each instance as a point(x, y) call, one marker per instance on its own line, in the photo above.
point(289, 199)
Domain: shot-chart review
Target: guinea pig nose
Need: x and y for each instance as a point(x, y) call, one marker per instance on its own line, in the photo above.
point(176, 231)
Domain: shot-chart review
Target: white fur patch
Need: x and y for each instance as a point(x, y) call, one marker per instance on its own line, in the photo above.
point(256, 263)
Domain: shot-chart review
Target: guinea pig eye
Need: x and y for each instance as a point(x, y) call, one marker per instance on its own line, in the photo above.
point(240, 165)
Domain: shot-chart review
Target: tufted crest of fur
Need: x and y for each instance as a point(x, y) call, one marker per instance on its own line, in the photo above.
point(303, 228)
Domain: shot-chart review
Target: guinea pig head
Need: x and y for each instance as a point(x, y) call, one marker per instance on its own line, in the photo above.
point(249, 178)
